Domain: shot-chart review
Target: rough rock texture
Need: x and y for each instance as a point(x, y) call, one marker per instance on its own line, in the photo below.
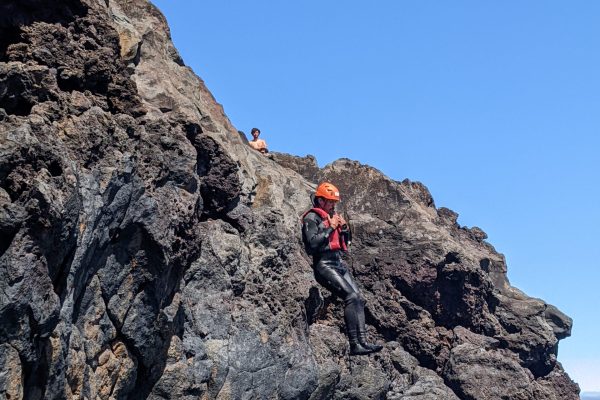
point(147, 252)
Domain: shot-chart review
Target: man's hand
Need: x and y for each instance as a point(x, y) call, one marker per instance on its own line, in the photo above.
point(336, 220)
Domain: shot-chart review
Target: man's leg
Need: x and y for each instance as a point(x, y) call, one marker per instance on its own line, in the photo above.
point(360, 315)
point(333, 280)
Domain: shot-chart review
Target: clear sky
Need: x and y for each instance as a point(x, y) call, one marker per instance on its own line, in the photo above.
point(493, 105)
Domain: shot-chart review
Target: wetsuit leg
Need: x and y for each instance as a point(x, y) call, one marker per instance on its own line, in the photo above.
point(348, 278)
point(360, 309)
point(360, 317)
point(333, 279)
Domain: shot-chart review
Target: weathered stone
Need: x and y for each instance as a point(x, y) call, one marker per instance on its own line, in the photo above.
point(305, 166)
point(147, 252)
point(476, 373)
point(11, 384)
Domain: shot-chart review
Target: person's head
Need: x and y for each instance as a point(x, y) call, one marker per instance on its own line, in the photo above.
point(255, 132)
point(326, 197)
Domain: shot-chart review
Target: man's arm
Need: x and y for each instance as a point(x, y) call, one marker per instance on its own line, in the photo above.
point(316, 234)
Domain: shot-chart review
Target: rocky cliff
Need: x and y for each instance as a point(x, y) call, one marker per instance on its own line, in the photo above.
point(147, 252)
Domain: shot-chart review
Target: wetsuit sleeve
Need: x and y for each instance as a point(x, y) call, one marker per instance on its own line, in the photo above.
point(316, 234)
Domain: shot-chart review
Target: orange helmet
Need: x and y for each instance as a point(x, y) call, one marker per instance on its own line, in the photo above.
point(328, 191)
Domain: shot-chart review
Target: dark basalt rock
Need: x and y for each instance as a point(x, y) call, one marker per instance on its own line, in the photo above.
point(305, 166)
point(147, 252)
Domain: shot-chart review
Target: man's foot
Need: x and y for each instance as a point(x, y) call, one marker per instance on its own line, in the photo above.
point(373, 347)
point(357, 349)
point(362, 339)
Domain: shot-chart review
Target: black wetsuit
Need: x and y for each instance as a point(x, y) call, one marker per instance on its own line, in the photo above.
point(331, 272)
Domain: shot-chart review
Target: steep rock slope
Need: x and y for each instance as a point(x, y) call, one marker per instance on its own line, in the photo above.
point(147, 252)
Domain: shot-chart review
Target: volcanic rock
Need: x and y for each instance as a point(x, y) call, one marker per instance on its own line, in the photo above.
point(147, 252)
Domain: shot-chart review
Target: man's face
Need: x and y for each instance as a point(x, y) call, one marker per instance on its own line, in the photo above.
point(327, 205)
point(255, 134)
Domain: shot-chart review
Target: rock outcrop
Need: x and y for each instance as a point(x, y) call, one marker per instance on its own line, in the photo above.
point(147, 252)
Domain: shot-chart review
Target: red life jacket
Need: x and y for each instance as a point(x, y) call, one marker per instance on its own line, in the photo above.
point(336, 242)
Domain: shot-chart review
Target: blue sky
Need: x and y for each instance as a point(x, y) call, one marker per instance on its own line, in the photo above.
point(494, 106)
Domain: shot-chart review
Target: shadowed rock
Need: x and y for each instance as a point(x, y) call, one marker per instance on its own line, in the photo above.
point(147, 252)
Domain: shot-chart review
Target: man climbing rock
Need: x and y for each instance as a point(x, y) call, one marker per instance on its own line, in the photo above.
point(256, 143)
point(326, 236)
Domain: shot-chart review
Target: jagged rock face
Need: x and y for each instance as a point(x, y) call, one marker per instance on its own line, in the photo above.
point(441, 291)
point(147, 252)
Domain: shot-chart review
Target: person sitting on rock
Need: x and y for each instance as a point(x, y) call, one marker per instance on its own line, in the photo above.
point(256, 143)
point(325, 235)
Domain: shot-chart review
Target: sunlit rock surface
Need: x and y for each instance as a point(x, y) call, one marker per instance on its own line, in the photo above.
point(147, 252)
